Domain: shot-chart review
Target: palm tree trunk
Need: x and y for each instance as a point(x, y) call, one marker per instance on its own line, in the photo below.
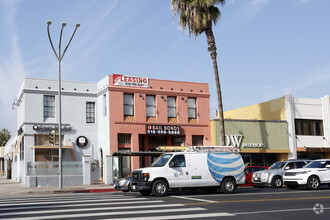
point(213, 53)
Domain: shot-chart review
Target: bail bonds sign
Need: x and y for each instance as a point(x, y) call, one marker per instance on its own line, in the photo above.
point(163, 129)
point(130, 81)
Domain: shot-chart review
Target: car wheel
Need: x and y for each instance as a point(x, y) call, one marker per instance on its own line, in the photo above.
point(228, 186)
point(313, 182)
point(145, 192)
point(159, 188)
point(128, 188)
point(277, 182)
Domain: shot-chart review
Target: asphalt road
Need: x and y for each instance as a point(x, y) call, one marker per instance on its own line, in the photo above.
point(245, 203)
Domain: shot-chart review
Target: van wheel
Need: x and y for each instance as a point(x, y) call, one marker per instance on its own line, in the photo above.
point(228, 186)
point(145, 192)
point(277, 182)
point(159, 188)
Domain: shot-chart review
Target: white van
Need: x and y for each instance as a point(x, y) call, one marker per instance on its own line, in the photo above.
point(198, 167)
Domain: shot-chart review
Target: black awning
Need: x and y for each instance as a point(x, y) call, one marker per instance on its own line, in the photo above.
point(143, 153)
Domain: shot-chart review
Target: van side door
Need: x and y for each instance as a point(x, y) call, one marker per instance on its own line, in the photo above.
point(178, 172)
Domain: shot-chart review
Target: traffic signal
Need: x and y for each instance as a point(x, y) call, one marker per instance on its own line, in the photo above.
point(52, 137)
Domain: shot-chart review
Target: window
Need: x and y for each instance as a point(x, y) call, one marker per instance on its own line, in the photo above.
point(192, 108)
point(171, 107)
point(124, 139)
point(128, 104)
point(104, 105)
point(151, 106)
point(197, 140)
point(309, 127)
point(156, 141)
point(49, 107)
point(90, 112)
point(178, 161)
point(177, 141)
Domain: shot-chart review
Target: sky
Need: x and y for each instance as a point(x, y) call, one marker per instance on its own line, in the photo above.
point(266, 48)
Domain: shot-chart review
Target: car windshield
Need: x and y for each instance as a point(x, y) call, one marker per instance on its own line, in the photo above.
point(161, 160)
point(277, 165)
point(317, 164)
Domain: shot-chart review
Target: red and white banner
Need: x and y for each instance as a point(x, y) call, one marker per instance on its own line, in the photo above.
point(130, 81)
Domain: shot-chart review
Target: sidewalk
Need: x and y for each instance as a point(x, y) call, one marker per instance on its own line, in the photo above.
point(11, 187)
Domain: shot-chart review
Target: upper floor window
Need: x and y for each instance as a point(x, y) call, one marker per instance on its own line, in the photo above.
point(49, 106)
point(90, 112)
point(151, 106)
point(104, 105)
point(171, 107)
point(309, 127)
point(192, 108)
point(128, 104)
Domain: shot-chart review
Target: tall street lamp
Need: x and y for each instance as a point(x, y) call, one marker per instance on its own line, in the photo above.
point(59, 57)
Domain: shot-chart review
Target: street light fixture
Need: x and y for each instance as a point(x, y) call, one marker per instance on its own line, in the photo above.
point(59, 57)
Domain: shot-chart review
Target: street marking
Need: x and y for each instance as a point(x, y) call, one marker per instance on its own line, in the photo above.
point(269, 211)
point(195, 199)
point(189, 216)
point(257, 200)
point(79, 205)
point(91, 209)
point(95, 214)
point(75, 201)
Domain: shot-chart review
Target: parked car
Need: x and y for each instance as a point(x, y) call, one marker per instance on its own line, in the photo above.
point(273, 176)
point(312, 175)
point(248, 174)
point(123, 184)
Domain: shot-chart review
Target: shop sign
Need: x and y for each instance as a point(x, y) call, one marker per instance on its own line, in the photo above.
point(81, 141)
point(317, 149)
point(163, 129)
point(130, 81)
point(39, 127)
point(236, 141)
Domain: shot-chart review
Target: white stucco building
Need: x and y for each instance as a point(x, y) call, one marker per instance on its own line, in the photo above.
point(37, 116)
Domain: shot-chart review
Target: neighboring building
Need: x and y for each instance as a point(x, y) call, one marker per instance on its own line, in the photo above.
point(117, 114)
point(37, 116)
point(261, 142)
point(2, 160)
point(308, 122)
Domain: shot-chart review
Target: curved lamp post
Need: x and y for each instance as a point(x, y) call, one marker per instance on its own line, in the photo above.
point(59, 57)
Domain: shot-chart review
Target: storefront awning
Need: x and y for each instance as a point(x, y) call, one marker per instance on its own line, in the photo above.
point(275, 151)
point(313, 149)
point(128, 153)
point(51, 147)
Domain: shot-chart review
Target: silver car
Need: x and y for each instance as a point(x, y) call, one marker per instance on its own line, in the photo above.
point(273, 176)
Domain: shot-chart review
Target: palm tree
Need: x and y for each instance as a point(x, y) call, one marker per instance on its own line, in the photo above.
point(4, 136)
point(198, 16)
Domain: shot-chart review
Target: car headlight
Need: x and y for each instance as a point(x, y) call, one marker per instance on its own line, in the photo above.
point(145, 176)
point(265, 175)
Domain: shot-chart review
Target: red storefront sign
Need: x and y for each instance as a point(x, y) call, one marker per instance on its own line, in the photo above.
point(130, 81)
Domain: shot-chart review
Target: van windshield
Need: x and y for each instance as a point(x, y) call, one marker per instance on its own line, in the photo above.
point(161, 160)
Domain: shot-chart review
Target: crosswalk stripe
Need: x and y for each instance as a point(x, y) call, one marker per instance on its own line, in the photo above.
point(5, 199)
point(79, 205)
point(194, 199)
point(75, 201)
point(95, 214)
point(187, 216)
point(91, 209)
